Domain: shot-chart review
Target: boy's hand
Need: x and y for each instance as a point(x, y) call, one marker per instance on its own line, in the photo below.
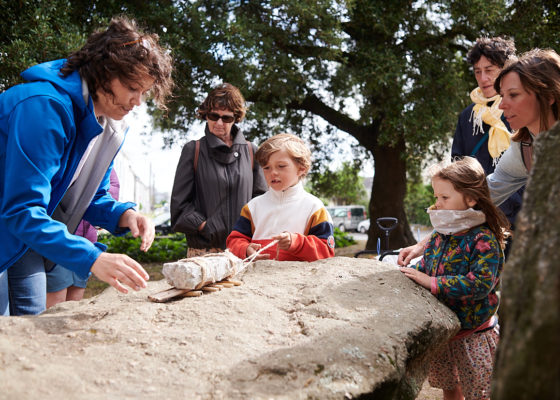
point(253, 248)
point(284, 240)
point(419, 277)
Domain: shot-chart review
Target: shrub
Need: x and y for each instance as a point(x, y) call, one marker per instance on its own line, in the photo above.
point(163, 249)
point(342, 239)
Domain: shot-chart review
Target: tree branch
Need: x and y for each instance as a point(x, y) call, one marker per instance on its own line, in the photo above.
point(341, 121)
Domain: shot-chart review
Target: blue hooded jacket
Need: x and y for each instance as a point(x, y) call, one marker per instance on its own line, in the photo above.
point(45, 128)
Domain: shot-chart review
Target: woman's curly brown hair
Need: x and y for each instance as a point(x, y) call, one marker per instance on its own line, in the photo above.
point(124, 52)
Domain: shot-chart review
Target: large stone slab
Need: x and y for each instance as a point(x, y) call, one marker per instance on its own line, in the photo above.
point(332, 329)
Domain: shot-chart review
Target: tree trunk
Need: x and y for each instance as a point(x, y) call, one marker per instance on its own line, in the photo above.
point(527, 364)
point(389, 180)
point(387, 197)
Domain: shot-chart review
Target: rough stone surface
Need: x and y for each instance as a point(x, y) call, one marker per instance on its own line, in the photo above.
point(333, 329)
point(528, 366)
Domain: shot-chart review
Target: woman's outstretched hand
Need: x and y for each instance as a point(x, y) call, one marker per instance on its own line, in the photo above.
point(119, 270)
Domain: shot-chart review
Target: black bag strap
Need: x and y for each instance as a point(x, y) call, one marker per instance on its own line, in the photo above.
point(479, 144)
point(196, 151)
point(527, 154)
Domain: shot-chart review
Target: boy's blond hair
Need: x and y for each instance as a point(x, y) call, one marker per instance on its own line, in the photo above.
point(291, 144)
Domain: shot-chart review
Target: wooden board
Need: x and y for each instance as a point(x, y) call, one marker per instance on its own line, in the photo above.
point(171, 293)
point(168, 294)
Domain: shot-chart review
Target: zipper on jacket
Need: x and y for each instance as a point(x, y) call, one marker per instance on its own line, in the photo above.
point(229, 192)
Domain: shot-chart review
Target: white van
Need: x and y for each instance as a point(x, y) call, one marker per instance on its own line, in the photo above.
point(347, 218)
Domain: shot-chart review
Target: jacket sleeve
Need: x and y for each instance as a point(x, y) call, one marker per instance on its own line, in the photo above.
point(485, 262)
point(427, 253)
point(319, 241)
point(420, 265)
point(184, 217)
point(241, 235)
point(34, 157)
point(104, 210)
point(259, 183)
point(509, 176)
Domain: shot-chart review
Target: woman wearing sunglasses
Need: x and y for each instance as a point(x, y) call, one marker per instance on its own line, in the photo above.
point(216, 175)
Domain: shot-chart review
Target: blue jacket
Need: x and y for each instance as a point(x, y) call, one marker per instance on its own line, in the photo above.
point(45, 128)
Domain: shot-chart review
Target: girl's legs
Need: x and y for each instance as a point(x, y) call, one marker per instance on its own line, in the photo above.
point(75, 293)
point(64, 285)
point(453, 394)
point(27, 285)
point(71, 293)
point(474, 357)
point(56, 297)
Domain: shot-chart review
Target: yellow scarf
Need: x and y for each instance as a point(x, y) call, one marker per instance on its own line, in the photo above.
point(499, 137)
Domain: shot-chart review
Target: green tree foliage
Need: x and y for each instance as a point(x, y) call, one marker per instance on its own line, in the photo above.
point(343, 186)
point(419, 197)
point(33, 32)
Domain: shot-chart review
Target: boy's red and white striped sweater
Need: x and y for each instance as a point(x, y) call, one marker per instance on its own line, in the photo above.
point(292, 210)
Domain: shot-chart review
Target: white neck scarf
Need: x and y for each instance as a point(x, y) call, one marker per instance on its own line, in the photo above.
point(448, 222)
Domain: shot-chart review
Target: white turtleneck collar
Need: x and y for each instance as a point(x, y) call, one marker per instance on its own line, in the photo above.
point(287, 194)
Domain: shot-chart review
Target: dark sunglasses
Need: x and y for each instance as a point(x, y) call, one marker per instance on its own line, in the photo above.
point(226, 118)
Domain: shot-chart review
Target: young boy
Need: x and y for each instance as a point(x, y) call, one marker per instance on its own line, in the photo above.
point(286, 212)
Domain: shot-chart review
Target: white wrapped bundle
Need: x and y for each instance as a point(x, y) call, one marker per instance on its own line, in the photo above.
point(196, 272)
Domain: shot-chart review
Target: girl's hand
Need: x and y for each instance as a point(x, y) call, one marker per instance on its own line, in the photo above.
point(419, 277)
point(284, 240)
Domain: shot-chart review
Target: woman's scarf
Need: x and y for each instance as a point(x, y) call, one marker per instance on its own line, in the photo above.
point(499, 137)
point(449, 222)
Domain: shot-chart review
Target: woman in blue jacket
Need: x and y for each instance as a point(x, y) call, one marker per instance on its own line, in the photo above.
point(59, 134)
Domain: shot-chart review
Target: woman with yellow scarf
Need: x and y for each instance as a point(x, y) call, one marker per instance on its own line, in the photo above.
point(482, 131)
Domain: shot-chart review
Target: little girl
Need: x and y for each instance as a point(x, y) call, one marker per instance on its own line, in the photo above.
point(461, 266)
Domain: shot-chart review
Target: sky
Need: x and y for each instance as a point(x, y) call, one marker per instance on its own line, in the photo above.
point(146, 152)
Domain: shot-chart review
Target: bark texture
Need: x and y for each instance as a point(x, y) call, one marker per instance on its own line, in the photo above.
point(527, 365)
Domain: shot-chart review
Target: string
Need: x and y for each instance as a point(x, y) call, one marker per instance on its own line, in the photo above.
point(250, 259)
